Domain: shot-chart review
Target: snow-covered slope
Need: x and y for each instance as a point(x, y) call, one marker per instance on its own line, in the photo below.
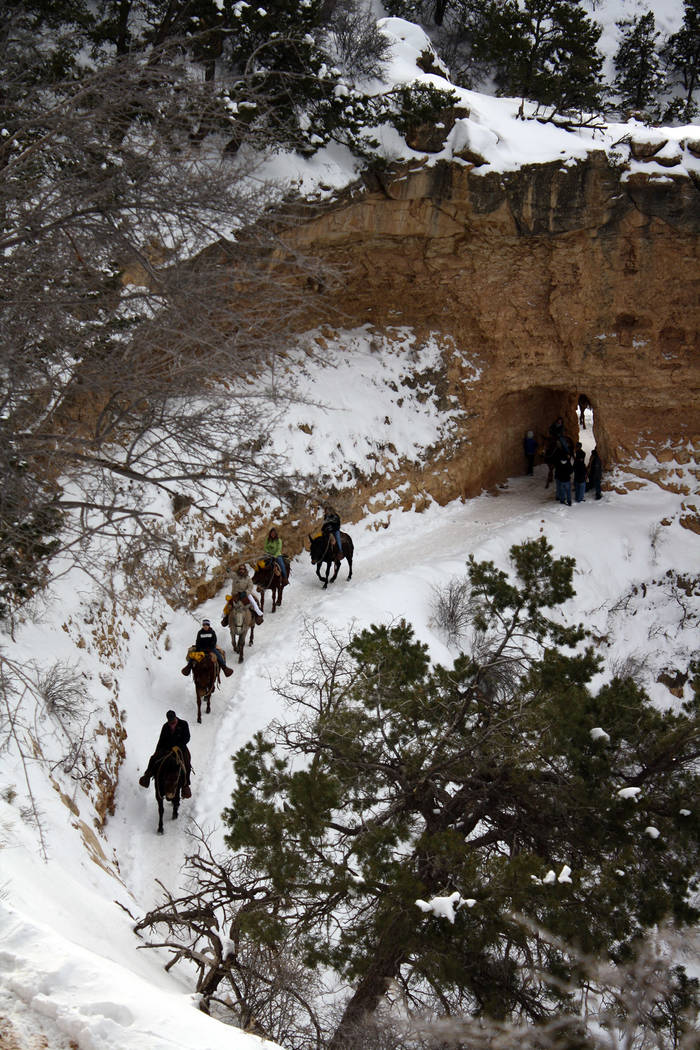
point(71, 973)
point(70, 967)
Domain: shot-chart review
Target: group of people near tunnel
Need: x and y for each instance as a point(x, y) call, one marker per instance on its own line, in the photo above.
point(566, 461)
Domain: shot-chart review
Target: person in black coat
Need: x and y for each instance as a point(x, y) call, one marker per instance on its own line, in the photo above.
point(562, 477)
point(205, 642)
point(331, 526)
point(595, 473)
point(175, 733)
point(556, 433)
point(580, 472)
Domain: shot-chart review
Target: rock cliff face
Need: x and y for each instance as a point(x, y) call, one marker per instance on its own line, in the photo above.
point(557, 279)
point(554, 281)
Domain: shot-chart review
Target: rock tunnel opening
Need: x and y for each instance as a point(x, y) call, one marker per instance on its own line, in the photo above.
point(535, 409)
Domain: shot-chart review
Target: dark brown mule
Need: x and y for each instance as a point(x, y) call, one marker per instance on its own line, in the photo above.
point(170, 777)
point(238, 619)
point(323, 550)
point(206, 675)
point(270, 578)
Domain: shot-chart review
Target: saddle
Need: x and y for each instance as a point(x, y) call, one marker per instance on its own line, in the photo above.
point(196, 654)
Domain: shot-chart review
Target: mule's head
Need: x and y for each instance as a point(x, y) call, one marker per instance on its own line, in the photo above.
point(315, 549)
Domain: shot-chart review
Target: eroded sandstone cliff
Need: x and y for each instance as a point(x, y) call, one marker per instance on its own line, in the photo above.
point(552, 280)
point(559, 279)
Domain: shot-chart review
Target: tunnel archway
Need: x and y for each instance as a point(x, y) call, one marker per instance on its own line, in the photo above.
point(536, 408)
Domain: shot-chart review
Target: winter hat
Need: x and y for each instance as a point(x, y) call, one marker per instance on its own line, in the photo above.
point(206, 623)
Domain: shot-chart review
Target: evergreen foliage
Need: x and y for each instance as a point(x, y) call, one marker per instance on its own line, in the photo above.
point(403, 781)
point(638, 64)
point(417, 104)
point(544, 50)
point(682, 56)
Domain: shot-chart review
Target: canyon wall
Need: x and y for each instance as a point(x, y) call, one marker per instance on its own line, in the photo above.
point(556, 279)
point(553, 280)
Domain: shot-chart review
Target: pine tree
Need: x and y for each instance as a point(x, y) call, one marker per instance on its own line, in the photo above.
point(638, 63)
point(544, 50)
point(502, 786)
point(682, 56)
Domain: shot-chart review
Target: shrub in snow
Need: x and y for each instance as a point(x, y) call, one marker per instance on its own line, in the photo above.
point(450, 609)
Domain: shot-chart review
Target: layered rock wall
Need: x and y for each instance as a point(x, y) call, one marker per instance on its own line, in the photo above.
point(556, 279)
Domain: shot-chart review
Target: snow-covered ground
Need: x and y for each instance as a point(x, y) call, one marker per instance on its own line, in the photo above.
point(71, 974)
point(70, 968)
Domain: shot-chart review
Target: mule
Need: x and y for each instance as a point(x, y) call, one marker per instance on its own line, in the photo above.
point(170, 777)
point(205, 675)
point(238, 619)
point(323, 550)
point(270, 578)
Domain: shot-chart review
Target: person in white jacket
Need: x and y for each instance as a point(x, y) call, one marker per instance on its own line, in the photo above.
point(243, 584)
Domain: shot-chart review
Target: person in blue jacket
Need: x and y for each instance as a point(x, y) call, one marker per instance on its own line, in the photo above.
point(530, 450)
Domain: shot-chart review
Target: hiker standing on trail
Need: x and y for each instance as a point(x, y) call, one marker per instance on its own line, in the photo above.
point(595, 473)
point(530, 450)
point(580, 472)
point(562, 477)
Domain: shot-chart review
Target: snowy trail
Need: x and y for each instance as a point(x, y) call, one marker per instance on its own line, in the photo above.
point(394, 574)
point(98, 990)
point(394, 571)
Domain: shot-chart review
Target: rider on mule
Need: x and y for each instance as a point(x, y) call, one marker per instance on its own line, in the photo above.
point(206, 643)
point(175, 733)
point(331, 527)
point(242, 587)
point(273, 549)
